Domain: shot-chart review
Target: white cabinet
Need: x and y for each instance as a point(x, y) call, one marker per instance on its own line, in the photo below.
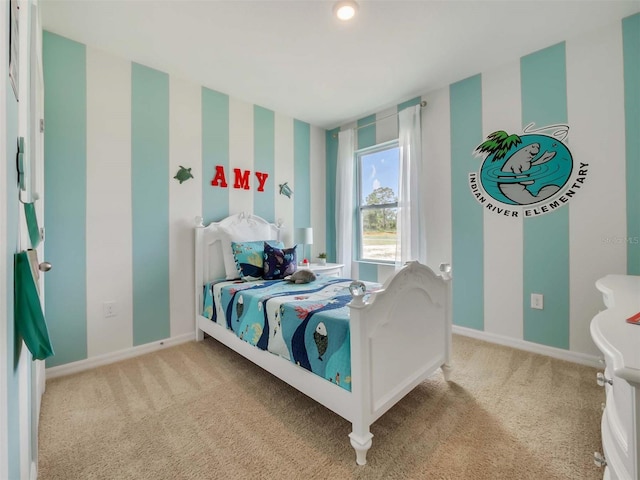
point(619, 343)
point(330, 269)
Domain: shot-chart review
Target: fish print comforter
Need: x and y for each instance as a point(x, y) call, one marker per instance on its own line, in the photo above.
point(307, 324)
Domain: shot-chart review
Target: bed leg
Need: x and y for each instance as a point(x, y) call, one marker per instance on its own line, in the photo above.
point(199, 335)
point(361, 444)
point(446, 371)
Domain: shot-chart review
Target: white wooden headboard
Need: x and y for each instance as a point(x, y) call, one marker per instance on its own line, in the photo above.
point(213, 243)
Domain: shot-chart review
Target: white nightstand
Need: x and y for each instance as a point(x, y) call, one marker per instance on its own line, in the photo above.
point(330, 269)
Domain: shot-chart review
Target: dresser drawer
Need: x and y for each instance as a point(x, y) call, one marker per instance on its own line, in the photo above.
point(618, 458)
point(334, 272)
point(617, 427)
point(329, 269)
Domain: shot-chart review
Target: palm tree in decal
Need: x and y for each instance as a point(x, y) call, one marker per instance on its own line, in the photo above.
point(497, 144)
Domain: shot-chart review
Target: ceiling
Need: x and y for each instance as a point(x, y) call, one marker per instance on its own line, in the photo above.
point(294, 57)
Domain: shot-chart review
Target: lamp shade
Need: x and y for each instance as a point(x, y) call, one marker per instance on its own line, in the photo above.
point(304, 236)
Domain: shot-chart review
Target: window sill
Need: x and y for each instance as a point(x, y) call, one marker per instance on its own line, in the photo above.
point(377, 262)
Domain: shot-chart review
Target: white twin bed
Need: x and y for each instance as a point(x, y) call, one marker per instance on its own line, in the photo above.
point(397, 336)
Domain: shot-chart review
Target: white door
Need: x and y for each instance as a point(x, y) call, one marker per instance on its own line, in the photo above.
point(37, 146)
point(31, 111)
point(36, 120)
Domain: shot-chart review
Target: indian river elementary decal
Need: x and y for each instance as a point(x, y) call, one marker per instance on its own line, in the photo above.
point(526, 175)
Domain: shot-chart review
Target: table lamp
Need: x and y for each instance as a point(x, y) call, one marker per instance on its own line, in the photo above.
point(305, 237)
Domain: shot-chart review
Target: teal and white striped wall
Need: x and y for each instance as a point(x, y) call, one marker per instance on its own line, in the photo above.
point(593, 84)
point(498, 262)
point(119, 227)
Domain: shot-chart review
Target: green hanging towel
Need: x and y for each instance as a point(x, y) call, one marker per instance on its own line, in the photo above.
point(32, 224)
point(29, 319)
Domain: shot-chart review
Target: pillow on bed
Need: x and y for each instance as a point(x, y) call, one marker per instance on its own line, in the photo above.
point(278, 262)
point(242, 232)
point(249, 257)
point(230, 268)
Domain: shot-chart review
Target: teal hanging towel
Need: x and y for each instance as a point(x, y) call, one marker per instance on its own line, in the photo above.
point(32, 224)
point(29, 319)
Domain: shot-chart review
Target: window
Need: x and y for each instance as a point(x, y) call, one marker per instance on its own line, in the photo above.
point(377, 204)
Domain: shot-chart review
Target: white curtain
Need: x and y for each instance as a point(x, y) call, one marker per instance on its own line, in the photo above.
point(410, 220)
point(345, 185)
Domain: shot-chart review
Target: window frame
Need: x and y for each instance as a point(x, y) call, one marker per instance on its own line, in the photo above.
point(360, 208)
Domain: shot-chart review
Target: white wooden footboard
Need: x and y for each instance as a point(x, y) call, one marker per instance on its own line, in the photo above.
point(399, 337)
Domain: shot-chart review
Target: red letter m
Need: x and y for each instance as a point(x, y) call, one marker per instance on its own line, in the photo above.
point(242, 178)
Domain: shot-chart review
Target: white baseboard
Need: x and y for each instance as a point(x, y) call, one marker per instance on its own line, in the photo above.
point(107, 358)
point(559, 353)
point(567, 355)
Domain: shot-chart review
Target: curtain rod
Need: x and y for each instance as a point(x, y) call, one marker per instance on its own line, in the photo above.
point(423, 104)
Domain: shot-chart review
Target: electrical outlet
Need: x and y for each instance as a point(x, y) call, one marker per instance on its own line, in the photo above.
point(109, 309)
point(537, 301)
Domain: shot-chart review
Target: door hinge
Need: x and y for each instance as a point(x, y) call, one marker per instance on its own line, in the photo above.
point(41, 125)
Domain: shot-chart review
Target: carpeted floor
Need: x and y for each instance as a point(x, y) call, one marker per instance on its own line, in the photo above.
point(200, 411)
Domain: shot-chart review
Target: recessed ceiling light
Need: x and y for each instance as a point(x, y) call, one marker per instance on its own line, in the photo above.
point(345, 9)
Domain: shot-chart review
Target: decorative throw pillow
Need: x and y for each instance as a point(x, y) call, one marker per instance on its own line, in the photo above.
point(249, 257)
point(278, 262)
point(241, 231)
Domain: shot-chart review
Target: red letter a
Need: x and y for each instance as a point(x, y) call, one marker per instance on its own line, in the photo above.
point(219, 180)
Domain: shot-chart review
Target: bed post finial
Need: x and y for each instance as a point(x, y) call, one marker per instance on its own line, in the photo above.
point(445, 269)
point(357, 289)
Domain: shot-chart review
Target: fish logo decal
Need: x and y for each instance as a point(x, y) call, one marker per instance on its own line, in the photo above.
point(526, 175)
point(321, 339)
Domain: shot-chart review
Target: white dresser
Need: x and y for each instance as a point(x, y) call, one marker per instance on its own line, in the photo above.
point(619, 343)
